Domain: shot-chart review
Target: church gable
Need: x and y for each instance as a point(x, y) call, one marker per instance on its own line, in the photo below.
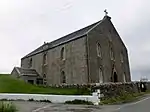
point(106, 49)
point(112, 33)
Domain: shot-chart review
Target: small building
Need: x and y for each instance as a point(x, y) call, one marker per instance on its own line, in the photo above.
point(94, 54)
point(28, 75)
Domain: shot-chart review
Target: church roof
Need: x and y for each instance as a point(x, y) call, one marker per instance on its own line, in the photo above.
point(26, 71)
point(72, 36)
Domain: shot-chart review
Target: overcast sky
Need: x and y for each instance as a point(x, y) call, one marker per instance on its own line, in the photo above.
point(26, 24)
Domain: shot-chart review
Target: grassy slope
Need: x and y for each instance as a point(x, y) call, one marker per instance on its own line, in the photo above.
point(9, 84)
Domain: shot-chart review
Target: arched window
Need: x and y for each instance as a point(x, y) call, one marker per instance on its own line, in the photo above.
point(110, 36)
point(124, 77)
point(111, 50)
point(111, 54)
point(101, 79)
point(63, 53)
point(121, 57)
point(99, 53)
point(44, 76)
point(44, 79)
point(45, 59)
point(30, 62)
point(63, 77)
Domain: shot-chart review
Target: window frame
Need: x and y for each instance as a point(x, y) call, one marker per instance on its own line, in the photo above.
point(124, 77)
point(30, 62)
point(99, 51)
point(45, 59)
point(63, 77)
point(112, 57)
point(100, 75)
point(62, 53)
point(44, 79)
point(121, 57)
point(111, 51)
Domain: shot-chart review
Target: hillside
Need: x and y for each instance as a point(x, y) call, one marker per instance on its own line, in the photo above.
point(8, 84)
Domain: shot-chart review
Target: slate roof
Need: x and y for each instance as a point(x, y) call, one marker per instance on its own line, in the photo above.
point(26, 72)
point(69, 37)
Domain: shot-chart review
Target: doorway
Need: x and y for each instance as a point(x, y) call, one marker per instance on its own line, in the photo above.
point(115, 77)
point(31, 81)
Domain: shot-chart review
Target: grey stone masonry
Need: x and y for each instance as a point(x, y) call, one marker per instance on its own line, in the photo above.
point(94, 54)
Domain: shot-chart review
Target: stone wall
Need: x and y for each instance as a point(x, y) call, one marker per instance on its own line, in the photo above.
point(74, 65)
point(106, 35)
point(108, 90)
point(81, 63)
point(117, 89)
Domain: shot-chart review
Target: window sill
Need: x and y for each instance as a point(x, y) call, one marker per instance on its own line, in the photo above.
point(45, 64)
point(63, 60)
point(112, 59)
point(99, 56)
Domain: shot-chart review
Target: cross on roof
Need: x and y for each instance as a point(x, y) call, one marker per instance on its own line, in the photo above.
point(106, 13)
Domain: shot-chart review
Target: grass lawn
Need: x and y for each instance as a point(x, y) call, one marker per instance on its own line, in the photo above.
point(8, 84)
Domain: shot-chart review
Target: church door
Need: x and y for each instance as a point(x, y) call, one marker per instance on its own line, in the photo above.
point(115, 77)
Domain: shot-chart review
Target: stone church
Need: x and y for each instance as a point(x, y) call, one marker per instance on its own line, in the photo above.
point(94, 54)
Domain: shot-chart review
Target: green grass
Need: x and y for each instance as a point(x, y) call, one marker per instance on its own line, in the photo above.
point(125, 98)
point(7, 107)
point(8, 84)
